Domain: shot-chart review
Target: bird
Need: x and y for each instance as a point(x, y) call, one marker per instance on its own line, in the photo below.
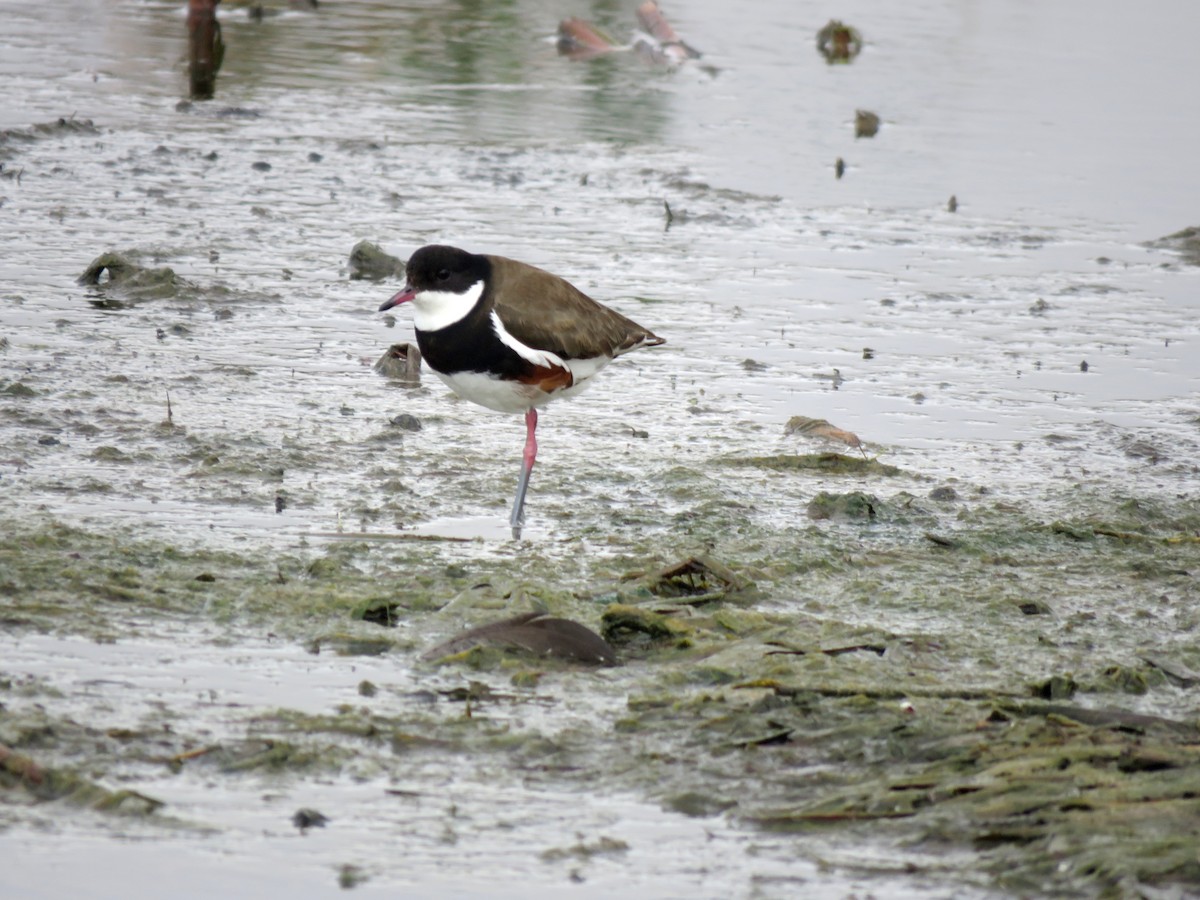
point(510, 337)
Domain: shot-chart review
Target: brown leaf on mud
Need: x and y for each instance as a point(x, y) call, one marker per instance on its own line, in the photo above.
point(820, 428)
point(15, 765)
point(579, 39)
point(534, 633)
point(866, 123)
point(401, 361)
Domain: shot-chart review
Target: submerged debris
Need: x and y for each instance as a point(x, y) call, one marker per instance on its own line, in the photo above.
point(820, 428)
point(866, 123)
point(663, 44)
point(306, 818)
point(624, 622)
point(379, 611)
point(535, 633)
point(839, 42)
point(696, 580)
point(402, 362)
point(405, 422)
point(368, 261)
point(852, 507)
point(579, 39)
point(115, 273)
point(351, 876)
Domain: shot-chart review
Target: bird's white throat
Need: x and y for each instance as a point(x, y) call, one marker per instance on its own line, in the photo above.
point(434, 310)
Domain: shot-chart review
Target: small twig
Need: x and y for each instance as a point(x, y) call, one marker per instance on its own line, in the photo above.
point(180, 758)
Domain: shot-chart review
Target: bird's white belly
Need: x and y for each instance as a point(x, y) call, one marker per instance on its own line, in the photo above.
point(512, 396)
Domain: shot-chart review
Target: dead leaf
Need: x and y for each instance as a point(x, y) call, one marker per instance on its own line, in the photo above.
point(820, 428)
point(534, 633)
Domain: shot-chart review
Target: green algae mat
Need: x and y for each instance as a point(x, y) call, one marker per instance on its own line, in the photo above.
point(1004, 703)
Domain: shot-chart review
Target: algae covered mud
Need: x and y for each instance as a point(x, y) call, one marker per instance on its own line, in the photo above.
point(960, 662)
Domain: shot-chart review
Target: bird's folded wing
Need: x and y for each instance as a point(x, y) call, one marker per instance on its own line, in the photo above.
point(552, 314)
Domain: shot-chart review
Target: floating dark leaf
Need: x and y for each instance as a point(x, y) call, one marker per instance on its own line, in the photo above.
point(309, 818)
point(838, 42)
point(866, 123)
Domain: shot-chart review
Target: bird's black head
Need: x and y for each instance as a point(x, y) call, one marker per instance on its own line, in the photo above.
point(440, 280)
point(441, 268)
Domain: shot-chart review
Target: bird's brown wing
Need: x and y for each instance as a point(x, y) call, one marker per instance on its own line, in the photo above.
point(554, 315)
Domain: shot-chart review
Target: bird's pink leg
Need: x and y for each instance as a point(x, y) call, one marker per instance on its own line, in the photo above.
point(530, 439)
point(527, 461)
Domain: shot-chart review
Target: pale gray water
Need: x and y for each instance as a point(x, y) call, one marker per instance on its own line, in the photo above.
point(445, 836)
point(984, 110)
point(1066, 133)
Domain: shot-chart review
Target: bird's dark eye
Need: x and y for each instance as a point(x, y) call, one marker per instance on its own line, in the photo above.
point(443, 275)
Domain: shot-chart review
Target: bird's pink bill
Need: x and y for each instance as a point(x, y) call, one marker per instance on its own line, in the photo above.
point(396, 299)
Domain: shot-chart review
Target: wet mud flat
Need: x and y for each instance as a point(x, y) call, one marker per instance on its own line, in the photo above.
point(960, 658)
point(920, 696)
point(955, 655)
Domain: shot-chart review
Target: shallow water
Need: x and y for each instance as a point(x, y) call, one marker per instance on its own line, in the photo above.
point(427, 832)
point(460, 124)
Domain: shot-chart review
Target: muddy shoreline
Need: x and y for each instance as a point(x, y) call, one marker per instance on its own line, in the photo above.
point(1040, 761)
point(921, 476)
